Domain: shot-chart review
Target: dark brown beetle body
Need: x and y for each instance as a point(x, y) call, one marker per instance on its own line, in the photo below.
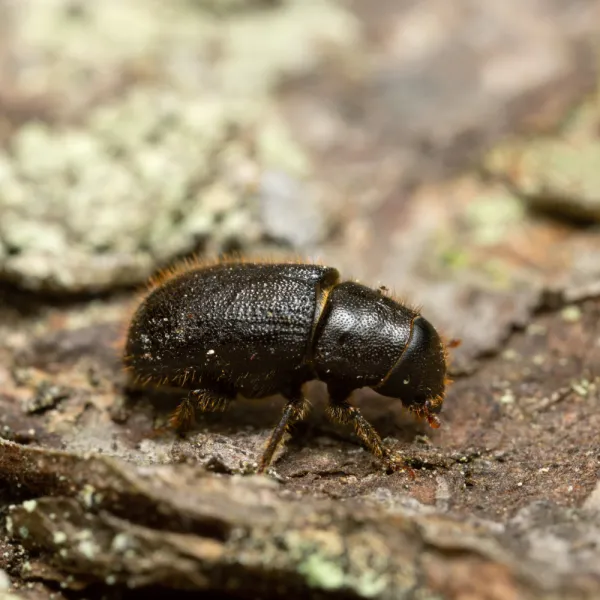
point(258, 329)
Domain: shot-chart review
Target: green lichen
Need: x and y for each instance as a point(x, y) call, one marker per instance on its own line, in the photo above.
point(228, 6)
point(79, 47)
point(371, 584)
point(297, 30)
point(326, 573)
point(153, 176)
point(582, 387)
point(322, 572)
point(165, 167)
point(571, 313)
point(59, 537)
point(326, 563)
point(491, 217)
point(557, 173)
point(468, 247)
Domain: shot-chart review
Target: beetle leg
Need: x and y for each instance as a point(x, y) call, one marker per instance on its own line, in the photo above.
point(183, 417)
point(293, 411)
point(207, 401)
point(343, 412)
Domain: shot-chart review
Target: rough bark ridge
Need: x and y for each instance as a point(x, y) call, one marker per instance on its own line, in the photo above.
point(123, 148)
point(505, 501)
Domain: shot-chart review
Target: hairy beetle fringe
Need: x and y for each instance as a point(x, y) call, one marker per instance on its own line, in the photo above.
point(396, 297)
point(199, 262)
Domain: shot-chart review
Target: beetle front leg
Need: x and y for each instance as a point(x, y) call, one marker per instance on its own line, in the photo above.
point(343, 412)
point(293, 411)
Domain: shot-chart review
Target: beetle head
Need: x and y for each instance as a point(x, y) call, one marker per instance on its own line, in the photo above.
point(419, 376)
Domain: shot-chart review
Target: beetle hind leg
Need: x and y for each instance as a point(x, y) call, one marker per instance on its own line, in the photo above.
point(206, 401)
point(183, 417)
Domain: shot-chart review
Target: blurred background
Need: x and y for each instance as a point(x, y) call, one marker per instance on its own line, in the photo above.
point(447, 150)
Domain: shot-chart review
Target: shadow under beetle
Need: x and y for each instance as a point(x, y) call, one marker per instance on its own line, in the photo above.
point(259, 329)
